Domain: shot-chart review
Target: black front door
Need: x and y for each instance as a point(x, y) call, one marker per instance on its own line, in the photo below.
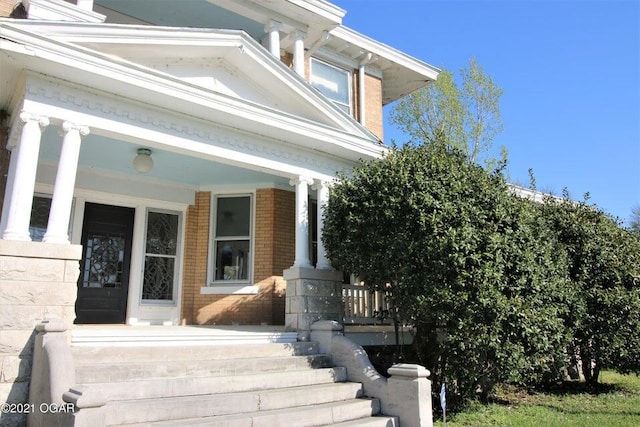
point(104, 273)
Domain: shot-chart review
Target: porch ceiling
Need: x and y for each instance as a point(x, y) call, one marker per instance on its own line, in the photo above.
point(168, 167)
point(198, 14)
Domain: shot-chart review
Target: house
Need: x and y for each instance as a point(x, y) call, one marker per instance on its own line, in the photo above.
point(180, 153)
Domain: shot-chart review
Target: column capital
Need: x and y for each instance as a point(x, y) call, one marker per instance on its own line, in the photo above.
point(298, 34)
point(300, 179)
point(68, 126)
point(27, 116)
point(273, 25)
point(321, 183)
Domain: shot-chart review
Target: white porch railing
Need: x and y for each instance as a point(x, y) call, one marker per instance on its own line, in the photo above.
point(365, 306)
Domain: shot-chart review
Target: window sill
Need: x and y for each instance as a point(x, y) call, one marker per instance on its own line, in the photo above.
point(240, 289)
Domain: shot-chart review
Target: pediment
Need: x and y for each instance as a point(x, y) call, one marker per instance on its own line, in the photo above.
point(222, 62)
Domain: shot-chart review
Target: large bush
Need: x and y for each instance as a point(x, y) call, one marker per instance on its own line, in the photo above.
point(604, 266)
point(472, 267)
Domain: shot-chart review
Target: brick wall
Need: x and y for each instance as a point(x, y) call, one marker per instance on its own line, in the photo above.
point(373, 107)
point(196, 253)
point(274, 252)
point(12, 8)
point(6, 7)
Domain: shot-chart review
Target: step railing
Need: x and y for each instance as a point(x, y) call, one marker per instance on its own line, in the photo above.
point(365, 305)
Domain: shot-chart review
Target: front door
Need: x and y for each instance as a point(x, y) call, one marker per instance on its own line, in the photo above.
point(104, 273)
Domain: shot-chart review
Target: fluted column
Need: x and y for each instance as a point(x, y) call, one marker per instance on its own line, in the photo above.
point(323, 198)
point(298, 51)
point(302, 221)
point(60, 213)
point(20, 197)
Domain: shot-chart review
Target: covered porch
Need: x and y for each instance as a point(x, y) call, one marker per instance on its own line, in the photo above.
point(153, 237)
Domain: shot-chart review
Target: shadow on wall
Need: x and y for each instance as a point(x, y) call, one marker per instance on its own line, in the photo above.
point(265, 307)
point(16, 371)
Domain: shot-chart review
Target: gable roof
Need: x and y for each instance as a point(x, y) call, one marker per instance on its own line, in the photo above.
point(102, 57)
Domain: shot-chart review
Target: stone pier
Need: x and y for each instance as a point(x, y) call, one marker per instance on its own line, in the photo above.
point(37, 281)
point(312, 295)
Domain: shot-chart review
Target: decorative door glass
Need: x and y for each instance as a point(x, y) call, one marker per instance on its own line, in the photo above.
point(160, 266)
point(104, 257)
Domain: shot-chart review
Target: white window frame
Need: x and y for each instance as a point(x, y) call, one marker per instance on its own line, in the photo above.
point(233, 286)
point(349, 75)
point(177, 258)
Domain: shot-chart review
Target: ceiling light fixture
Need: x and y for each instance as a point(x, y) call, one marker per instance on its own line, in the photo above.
point(143, 162)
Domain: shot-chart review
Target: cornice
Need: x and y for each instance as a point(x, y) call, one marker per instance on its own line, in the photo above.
point(323, 8)
point(197, 136)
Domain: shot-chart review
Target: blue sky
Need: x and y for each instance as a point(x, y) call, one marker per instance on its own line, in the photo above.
point(570, 71)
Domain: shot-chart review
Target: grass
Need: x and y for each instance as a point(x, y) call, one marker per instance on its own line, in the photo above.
point(615, 403)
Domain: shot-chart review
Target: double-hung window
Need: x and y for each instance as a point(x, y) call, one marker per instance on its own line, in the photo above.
point(332, 82)
point(232, 238)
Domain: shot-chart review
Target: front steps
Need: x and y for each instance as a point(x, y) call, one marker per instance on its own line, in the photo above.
point(250, 385)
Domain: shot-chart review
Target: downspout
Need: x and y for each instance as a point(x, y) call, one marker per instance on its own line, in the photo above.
point(361, 92)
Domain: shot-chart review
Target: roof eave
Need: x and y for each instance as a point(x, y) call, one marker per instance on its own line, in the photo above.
point(408, 73)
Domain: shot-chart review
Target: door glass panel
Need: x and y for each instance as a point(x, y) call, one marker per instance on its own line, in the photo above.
point(161, 256)
point(162, 233)
point(104, 256)
point(158, 278)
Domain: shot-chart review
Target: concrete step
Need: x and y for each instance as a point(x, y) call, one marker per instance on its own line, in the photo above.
point(301, 416)
point(166, 409)
point(172, 387)
point(377, 421)
point(150, 354)
point(163, 336)
point(129, 371)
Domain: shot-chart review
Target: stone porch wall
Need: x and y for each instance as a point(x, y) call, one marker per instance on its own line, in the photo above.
point(274, 252)
point(37, 281)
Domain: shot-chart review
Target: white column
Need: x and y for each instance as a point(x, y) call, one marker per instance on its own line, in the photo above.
point(58, 225)
point(298, 51)
point(323, 198)
point(11, 173)
point(20, 198)
point(302, 221)
point(274, 28)
point(362, 98)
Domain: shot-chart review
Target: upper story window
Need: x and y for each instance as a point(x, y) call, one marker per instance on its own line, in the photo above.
point(232, 238)
point(332, 82)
